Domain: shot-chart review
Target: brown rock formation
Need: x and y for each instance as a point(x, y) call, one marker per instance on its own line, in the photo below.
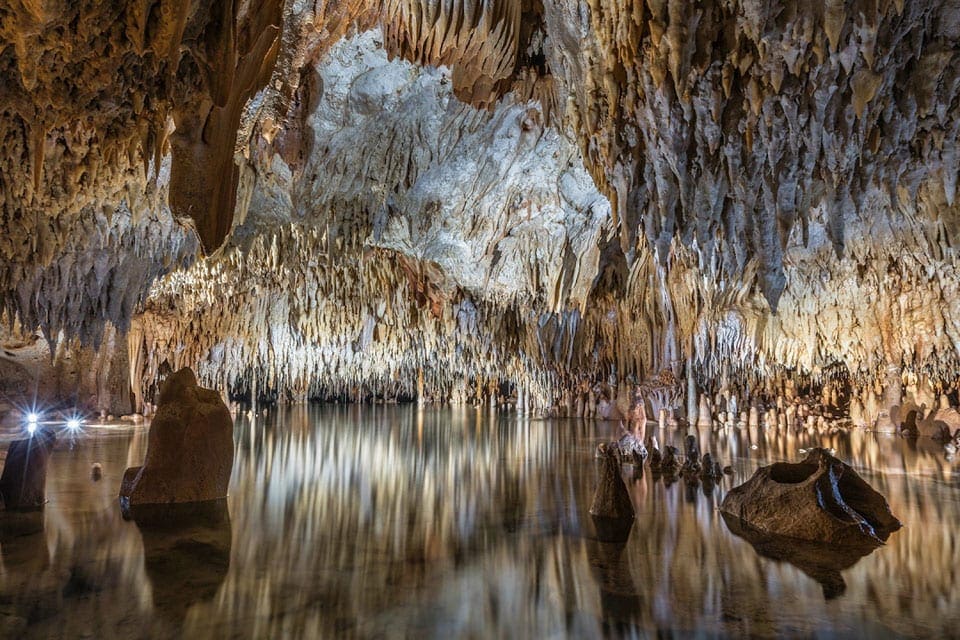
point(189, 450)
point(819, 499)
point(24, 479)
point(611, 500)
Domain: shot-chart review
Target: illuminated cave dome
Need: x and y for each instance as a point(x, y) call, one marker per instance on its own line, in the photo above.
point(445, 199)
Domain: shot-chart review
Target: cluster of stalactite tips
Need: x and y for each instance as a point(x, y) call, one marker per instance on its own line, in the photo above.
point(738, 212)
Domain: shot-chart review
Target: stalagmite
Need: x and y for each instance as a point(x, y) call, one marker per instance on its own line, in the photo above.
point(190, 448)
point(611, 500)
point(24, 478)
point(704, 419)
point(892, 395)
point(819, 499)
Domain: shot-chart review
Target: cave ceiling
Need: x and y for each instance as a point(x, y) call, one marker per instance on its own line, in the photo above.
point(355, 191)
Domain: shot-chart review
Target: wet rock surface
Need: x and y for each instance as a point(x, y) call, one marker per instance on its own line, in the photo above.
point(189, 449)
point(24, 479)
point(611, 501)
point(819, 499)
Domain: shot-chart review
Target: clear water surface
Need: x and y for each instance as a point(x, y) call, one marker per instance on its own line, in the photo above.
point(397, 522)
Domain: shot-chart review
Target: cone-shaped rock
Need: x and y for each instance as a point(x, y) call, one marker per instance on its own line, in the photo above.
point(820, 499)
point(611, 499)
point(189, 449)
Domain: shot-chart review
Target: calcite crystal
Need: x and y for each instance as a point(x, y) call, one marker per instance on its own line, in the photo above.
point(189, 449)
point(819, 499)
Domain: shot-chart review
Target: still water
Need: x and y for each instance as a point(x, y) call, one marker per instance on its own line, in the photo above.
point(394, 522)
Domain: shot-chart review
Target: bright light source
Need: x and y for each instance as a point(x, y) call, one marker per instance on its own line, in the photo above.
point(32, 418)
point(73, 424)
point(31, 428)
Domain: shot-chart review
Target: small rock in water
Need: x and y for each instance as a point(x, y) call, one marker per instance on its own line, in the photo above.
point(711, 468)
point(96, 471)
point(654, 450)
point(670, 464)
point(728, 470)
point(691, 462)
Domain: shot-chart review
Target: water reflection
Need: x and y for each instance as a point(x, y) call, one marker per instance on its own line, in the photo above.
point(394, 522)
point(822, 562)
point(186, 551)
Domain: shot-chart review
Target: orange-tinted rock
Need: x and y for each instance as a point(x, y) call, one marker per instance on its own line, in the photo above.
point(189, 449)
point(820, 499)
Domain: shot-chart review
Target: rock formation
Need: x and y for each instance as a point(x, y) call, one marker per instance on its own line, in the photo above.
point(611, 500)
point(189, 449)
point(819, 499)
point(24, 479)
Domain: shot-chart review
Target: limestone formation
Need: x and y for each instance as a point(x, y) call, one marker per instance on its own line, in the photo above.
point(691, 459)
point(611, 500)
point(819, 499)
point(24, 479)
point(414, 197)
point(670, 463)
point(189, 448)
point(710, 469)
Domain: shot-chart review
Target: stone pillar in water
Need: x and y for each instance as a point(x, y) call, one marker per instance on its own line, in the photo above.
point(692, 408)
point(189, 451)
point(24, 480)
point(704, 419)
point(892, 393)
point(420, 398)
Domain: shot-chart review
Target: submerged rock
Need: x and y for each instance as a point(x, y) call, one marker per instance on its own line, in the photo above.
point(820, 499)
point(189, 449)
point(24, 480)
